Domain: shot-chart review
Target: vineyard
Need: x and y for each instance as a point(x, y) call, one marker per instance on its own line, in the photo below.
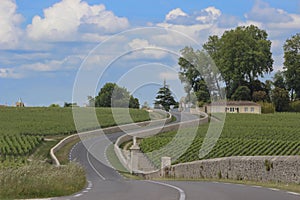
point(55, 121)
point(18, 144)
point(242, 135)
point(23, 129)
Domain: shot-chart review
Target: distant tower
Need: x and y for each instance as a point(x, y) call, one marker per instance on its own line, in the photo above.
point(165, 83)
point(20, 103)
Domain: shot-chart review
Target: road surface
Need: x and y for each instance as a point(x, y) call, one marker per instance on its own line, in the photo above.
point(105, 183)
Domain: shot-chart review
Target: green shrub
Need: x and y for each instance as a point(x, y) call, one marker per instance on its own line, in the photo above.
point(267, 107)
point(294, 106)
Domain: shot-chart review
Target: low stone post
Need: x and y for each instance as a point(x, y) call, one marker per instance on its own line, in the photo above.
point(165, 165)
point(134, 156)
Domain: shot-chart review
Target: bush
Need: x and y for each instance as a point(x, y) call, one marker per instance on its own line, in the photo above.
point(294, 106)
point(267, 107)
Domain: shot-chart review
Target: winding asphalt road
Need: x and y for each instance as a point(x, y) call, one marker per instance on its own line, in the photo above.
point(105, 183)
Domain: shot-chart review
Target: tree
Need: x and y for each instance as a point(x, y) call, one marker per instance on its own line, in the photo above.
point(292, 65)
point(199, 73)
point(260, 96)
point(54, 105)
point(91, 101)
point(105, 95)
point(66, 105)
point(112, 95)
point(279, 80)
point(281, 99)
point(242, 55)
point(164, 98)
point(242, 93)
point(134, 102)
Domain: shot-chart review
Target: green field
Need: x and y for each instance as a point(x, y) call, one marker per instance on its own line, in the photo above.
point(24, 129)
point(46, 121)
point(242, 135)
point(26, 137)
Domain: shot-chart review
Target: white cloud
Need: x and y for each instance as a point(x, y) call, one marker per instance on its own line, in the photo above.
point(9, 23)
point(197, 25)
point(294, 23)
point(204, 16)
point(9, 73)
point(66, 19)
point(70, 62)
point(209, 15)
point(141, 48)
point(262, 11)
point(173, 14)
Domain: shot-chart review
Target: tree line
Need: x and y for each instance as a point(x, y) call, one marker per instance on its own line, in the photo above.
point(233, 65)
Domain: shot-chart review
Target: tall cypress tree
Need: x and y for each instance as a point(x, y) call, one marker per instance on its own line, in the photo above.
point(164, 97)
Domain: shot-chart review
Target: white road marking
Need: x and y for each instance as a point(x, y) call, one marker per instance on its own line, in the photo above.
point(78, 195)
point(87, 155)
point(71, 152)
point(181, 192)
point(90, 184)
point(273, 189)
point(293, 193)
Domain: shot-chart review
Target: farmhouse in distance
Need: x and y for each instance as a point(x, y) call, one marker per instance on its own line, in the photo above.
point(233, 107)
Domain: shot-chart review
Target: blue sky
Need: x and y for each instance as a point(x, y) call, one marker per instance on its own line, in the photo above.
point(46, 45)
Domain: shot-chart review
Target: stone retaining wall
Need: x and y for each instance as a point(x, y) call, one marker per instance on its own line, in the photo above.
point(285, 169)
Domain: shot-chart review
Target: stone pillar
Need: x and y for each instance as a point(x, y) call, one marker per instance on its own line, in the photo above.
point(165, 163)
point(134, 156)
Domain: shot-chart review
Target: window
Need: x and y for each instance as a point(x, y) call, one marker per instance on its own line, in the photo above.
point(252, 109)
point(246, 109)
point(231, 109)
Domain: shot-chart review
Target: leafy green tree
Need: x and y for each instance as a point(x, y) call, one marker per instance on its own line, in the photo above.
point(164, 98)
point(105, 95)
point(260, 96)
point(134, 102)
point(242, 93)
point(199, 73)
point(279, 80)
point(91, 101)
point(54, 106)
point(113, 95)
point(292, 64)
point(66, 105)
point(280, 99)
point(242, 55)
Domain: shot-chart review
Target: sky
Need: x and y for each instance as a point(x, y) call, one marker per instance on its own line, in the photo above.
point(57, 51)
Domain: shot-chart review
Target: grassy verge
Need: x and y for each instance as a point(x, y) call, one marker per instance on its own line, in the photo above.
point(39, 180)
point(114, 161)
point(281, 186)
point(43, 152)
point(63, 153)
